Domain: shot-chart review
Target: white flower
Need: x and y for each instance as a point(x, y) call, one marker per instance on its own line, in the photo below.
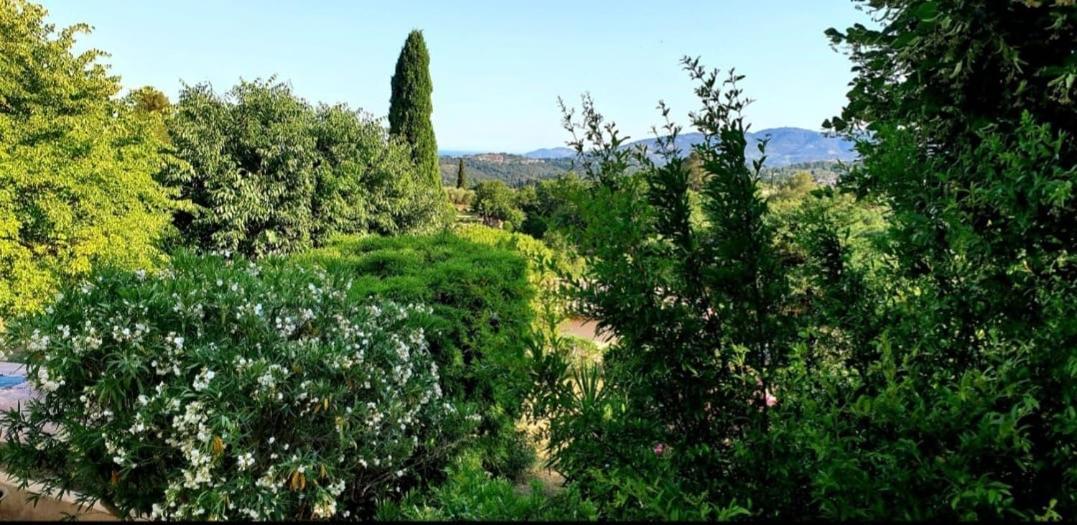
point(38, 342)
point(201, 382)
point(245, 461)
point(325, 508)
point(47, 383)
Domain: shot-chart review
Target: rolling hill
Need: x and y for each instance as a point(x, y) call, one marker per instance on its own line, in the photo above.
point(787, 147)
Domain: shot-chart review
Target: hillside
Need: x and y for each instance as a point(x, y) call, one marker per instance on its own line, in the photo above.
point(514, 170)
point(788, 148)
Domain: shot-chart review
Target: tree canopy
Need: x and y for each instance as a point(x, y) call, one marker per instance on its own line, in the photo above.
point(77, 165)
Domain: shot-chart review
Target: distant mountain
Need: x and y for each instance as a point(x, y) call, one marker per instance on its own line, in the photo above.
point(787, 146)
point(551, 153)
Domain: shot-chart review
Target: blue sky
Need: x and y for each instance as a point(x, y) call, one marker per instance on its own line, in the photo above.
point(498, 66)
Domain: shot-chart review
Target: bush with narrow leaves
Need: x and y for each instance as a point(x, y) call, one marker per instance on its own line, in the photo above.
point(221, 390)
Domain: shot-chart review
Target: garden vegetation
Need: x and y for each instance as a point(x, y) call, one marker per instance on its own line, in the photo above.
point(245, 306)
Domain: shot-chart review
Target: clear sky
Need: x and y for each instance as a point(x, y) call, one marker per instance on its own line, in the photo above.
point(498, 66)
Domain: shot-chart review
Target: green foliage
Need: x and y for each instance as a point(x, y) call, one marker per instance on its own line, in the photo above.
point(149, 99)
point(470, 493)
point(76, 166)
point(695, 308)
point(461, 175)
point(951, 67)
point(217, 390)
point(271, 174)
point(460, 197)
point(905, 354)
point(514, 170)
point(965, 340)
point(410, 107)
point(554, 206)
point(495, 204)
point(481, 316)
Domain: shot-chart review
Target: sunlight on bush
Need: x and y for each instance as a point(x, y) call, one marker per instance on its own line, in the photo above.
point(217, 390)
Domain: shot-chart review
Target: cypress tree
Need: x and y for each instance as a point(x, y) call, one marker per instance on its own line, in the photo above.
point(410, 106)
point(461, 177)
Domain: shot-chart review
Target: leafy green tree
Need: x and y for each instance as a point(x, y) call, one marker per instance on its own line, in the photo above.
point(554, 205)
point(461, 175)
point(952, 67)
point(410, 106)
point(495, 204)
point(966, 341)
point(696, 308)
point(76, 165)
point(150, 100)
point(248, 164)
point(269, 173)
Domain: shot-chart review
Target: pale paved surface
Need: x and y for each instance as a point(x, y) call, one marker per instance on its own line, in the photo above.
point(15, 507)
point(10, 397)
point(586, 329)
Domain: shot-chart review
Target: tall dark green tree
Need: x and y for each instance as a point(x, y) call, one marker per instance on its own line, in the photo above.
point(461, 175)
point(410, 106)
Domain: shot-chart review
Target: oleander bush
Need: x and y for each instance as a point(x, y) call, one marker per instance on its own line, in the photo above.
point(217, 389)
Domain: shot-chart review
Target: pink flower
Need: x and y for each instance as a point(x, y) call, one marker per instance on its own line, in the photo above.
point(659, 449)
point(770, 399)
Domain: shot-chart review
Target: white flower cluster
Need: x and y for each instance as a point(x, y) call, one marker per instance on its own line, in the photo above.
point(274, 398)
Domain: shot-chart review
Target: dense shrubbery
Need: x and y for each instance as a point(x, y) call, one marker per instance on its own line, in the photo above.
point(269, 173)
point(696, 308)
point(551, 205)
point(495, 204)
point(471, 493)
point(480, 300)
point(216, 390)
point(807, 356)
point(76, 165)
point(901, 345)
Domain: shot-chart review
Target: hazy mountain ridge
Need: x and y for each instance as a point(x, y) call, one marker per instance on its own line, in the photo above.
point(788, 145)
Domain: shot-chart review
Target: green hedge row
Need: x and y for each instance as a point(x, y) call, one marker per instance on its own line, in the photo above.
point(478, 326)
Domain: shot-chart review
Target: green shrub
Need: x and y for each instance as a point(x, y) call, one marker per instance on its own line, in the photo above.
point(269, 173)
point(696, 306)
point(216, 390)
point(76, 165)
point(495, 205)
point(554, 206)
point(460, 196)
point(481, 314)
point(471, 493)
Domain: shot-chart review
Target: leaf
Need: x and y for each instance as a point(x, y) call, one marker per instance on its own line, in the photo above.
point(926, 11)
